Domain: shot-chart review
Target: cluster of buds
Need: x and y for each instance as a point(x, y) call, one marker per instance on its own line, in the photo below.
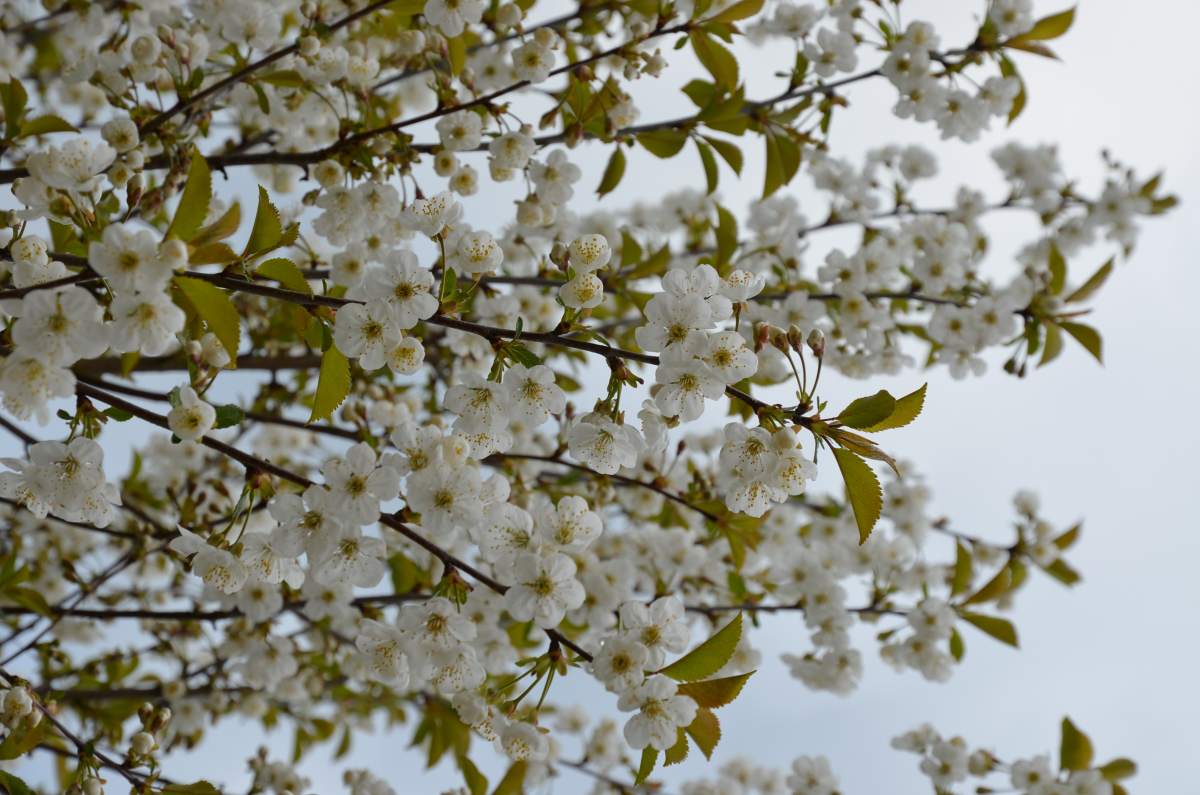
point(143, 744)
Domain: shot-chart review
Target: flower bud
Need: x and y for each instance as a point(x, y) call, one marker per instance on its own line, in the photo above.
point(141, 744)
point(508, 15)
point(445, 163)
point(309, 46)
point(145, 49)
point(816, 341)
point(795, 338)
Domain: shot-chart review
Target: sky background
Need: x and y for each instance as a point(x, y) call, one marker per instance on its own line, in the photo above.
point(1110, 445)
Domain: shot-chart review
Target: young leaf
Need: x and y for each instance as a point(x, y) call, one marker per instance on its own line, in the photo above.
point(1052, 346)
point(729, 152)
point(868, 411)
point(1086, 336)
point(20, 742)
point(457, 52)
point(862, 490)
point(219, 229)
point(213, 306)
point(715, 693)
point(957, 647)
point(13, 98)
point(646, 767)
point(962, 570)
point(286, 273)
point(709, 657)
point(228, 415)
point(13, 785)
point(194, 202)
point(677, 752)
point(612, 172)
point(1050, 27)
point(1094, 283)
point(267, 232)
point(45, 124)
point(709, 161)
point(705, 731)
point(663, 143)
point(333, 384)
point(727, 234)
point(742, 10)
point(719, 61)
point(513, 782)
point(1058, 270)
point(999, 628)
point(908, 408)
point(1075, 751)
point(1118, 769)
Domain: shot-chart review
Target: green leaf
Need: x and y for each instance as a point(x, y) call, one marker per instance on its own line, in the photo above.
point(333, 384)
point(715, 693)
point(198, 788)
point(999, 628)
point(1094, 283)
point(1118, 769)
point(1053, 344)
point(219, 229)
point(862, 490)
point(677, 752)
point(742, 10)
point(727, 235)
point(31, 599)
point(1069, 537)
point(907, 409)
point(709, 657)
point(729, 152)
point(957, 647)
point(1062, 571)
point(709, 161)
point(1050, 27)
point(705, 731)
point(962, 570)
point(1075, 751)
point(228, 415)
point(612, 172)
point(213, 306)
point(782, 161)
point(286, 273)
point(457, 53)
point(646, 766)
point(1058, 270)
point(663, 143)
point(513, 782)
point(1086, 336)
point(868, 411)
point(45, 124)
point(267, 232)
point(193, 203)
point(20, 742)
point(1009, 69)
point(13, 99)
point(13, 785)
point(476, 782)
point(718, 60)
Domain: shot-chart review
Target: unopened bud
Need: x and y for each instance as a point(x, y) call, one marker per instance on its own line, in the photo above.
point(762, 333)
point(779, 339)
point(816, 341)
point(559, 254)
point(795, 338)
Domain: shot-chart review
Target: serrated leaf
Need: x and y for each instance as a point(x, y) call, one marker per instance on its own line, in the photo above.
point(267, 232)
point(43, 125)
point(1118, 769)
point(907, 409)
point(999, 628)
point(1086, 336)
point(862, 490)
point(215, 308)
point(213, 254)
point(612, 172)
point(333, 384)
point(868, 411)
point(194, 201)
point(1094, 283)
point(705, 731)
point(646, 766)
point(715, 693)
point(709, 657)
point(14, 99)
point(13, 785)
point(677, 752)
point(1075, 750)
point(286, 273)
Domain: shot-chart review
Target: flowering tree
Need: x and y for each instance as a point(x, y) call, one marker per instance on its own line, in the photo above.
point(415, 471)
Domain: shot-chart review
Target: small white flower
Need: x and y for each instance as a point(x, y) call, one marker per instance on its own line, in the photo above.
point(192, 417)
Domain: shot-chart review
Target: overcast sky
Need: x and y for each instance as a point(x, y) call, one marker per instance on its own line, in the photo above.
point(1110, 445)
